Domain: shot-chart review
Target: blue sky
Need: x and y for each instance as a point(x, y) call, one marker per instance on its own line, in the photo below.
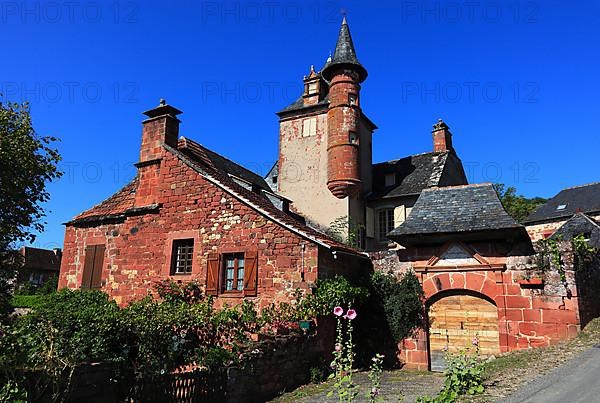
point(516, 81)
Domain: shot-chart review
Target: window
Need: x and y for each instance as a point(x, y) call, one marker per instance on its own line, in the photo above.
point(390, 179)
point(309, 127)
point(182, 256)
point(353, 138)
point(352, 99)
point(561, 207)
point(386, 223)
point(232, 273)
point(92, 267)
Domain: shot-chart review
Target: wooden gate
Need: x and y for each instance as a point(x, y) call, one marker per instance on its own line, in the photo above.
point(455, 321)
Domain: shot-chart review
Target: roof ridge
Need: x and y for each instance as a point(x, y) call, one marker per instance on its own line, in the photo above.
point(581, 186)
point(454, 187)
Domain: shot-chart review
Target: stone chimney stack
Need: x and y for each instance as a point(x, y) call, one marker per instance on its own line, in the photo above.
point(161, 127)
point(442, 138)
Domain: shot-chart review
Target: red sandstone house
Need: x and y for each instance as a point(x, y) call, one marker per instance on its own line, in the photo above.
point(191, 214)
point(481, 280)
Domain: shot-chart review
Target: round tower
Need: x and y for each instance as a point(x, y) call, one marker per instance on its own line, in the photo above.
point(344, 73)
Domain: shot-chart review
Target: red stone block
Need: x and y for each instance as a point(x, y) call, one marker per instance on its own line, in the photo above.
point(513, 301)
point(512, 289)
point(513, 314)
point(532, 315)
point(474, 281)
point(558, 316)
point(458, 280)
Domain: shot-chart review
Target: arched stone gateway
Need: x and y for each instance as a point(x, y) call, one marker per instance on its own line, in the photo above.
point(455, 319)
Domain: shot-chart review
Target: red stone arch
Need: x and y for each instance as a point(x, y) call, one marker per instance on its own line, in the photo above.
point(486, 283)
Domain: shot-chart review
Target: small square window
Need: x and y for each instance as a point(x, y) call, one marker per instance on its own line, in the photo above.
point(353, 138)
point(182, 256)
point(352, 99)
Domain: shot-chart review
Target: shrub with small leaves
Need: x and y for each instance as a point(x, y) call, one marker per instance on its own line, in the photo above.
point(464, 376)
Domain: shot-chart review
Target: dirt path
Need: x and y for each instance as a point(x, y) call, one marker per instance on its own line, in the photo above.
point(396, 386)
point(506, 375)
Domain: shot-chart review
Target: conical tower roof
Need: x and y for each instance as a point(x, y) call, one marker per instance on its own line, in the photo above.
point(344, 55)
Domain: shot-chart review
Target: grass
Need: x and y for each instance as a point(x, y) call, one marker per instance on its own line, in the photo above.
point(27, 301)
point(524, 358)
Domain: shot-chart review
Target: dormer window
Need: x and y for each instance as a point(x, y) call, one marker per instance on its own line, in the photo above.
point(390, 179)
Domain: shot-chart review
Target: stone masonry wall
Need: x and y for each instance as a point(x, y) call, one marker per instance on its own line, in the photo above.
point(534, 308)
point(138, 250)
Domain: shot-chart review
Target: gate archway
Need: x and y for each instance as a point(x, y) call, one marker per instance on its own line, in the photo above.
point(455, 319)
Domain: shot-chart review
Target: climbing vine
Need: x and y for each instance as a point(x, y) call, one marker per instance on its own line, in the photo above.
point(584, 253)
point(550, 255)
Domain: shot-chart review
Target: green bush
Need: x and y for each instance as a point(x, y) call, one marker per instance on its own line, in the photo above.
point(39, 351)
point(330, 293)
point(402, 302)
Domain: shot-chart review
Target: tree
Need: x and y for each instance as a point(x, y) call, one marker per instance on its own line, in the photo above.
point(518, 206)
point(27, 164)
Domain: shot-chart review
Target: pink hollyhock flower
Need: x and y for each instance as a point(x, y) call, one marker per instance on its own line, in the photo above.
point(338, 347)
point(351, 314)
point(475, 341)
point(338, 311)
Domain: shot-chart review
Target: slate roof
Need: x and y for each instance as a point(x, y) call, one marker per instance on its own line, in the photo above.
point(415, 173)
point(298, 105)
point(344, 54)
point(455, 210)
point(40, 259)
point(216, 169)
point(221, 163)
point(585, 198)
point(579, 224)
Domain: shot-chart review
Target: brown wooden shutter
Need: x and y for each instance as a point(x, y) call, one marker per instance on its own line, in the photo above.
point(88, 267)
point(250, 273)
point(212, 274)
point(96, 281)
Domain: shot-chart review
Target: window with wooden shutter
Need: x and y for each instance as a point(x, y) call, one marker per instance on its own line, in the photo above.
point(212, 274)
point(92, 267)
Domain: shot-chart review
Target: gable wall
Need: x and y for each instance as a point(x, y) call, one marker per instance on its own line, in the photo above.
point(138, 249)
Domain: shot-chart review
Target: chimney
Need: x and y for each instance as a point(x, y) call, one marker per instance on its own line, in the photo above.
point(161, 127)
point(442, 138)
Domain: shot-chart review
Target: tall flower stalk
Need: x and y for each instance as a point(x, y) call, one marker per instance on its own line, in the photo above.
point(343, 357)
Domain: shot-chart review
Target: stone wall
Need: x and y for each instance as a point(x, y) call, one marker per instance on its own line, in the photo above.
point(279, 365)
point(535, 308)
